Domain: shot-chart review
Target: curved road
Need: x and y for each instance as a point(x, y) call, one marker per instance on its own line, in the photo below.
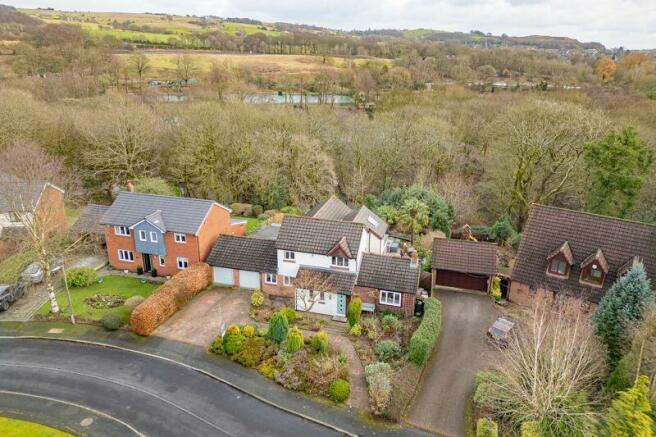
point(142, 395)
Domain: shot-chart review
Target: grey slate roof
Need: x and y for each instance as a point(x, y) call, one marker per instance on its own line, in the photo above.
point(464, 256)
point(268, 232)
point(28, 191)
point(365, 216)
point(331, 209)
point(244, 253)
point(548, 228)
point(180, 214)
point(342, 281)
point(89, 220)
point(390, 273)
point(319, 236)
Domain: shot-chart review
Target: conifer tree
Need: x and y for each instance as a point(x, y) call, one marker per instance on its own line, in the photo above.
point(629, 415)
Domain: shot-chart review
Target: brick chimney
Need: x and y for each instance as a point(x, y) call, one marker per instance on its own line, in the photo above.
point(130, 187)
point(414, 257)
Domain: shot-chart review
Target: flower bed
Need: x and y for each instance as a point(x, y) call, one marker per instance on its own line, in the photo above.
point(284, 355)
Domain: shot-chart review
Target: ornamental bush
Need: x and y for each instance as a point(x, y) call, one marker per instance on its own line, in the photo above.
point(530, 428)
point(217, 345)
point(81, 276)
point(356, 330)
point(248, 331)
point(233, 340)
point(278, 327)
point(251, 352)
point(289, 313)
point(388, 350)
point(424, 338)
point(486, 428)
point(353, 311)
point(371, 327)
point(339, 390)
point(134, 301)
point(390, 323)
point(111, 321)
point(319, 343)
point(257, 299)
point(294, 340)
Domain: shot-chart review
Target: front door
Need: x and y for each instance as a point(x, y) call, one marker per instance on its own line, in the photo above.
point(146, 260)
point(341, 305)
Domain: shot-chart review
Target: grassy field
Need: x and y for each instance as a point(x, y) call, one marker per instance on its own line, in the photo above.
point(111, 285)
point(21, 428)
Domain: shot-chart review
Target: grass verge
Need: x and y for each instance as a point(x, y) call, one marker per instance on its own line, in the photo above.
point(21, 428)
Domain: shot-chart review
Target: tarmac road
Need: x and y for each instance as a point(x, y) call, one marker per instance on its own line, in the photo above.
point(139, 394)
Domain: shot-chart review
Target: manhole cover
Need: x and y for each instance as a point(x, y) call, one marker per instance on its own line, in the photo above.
point(55, 330)
point(86, 421)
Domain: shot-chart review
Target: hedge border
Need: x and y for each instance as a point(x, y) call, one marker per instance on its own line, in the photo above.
point(425, 337)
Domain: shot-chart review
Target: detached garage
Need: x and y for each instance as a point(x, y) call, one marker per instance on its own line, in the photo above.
point(463, 264)
point(239, 261)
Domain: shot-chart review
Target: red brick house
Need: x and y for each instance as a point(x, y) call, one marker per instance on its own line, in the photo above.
point(463, 264)
point(163, 233)
point(577, 254)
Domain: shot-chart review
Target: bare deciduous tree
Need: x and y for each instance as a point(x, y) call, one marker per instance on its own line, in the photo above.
point(310, 285)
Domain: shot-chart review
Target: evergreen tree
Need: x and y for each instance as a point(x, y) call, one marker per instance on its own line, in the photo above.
point(622, 306)
point(353, 311)
point(278, 327)
point(630, 413)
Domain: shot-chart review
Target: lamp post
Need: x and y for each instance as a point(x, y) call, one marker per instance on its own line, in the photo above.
point(68, 292)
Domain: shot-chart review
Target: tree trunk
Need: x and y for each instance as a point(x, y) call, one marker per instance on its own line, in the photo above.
point(54, 306)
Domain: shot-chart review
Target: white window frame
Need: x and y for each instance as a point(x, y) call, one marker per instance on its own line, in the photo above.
point(153, 237)
point(182, 263)
point(142, 235)
point(123, 231)
point(287, 281)
point(384, 298)
point(126, 255)
point(289, 256)
point(338, 261)
point(162, 262)
point(271, 278)
point(180, 238)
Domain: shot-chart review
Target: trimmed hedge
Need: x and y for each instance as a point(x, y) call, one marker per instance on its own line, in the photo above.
point(111, 321)
point(170, 297)
point(425, 337)
point(486, 428)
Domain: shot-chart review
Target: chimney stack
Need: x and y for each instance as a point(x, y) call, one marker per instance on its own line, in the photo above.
point(414, 257)
point(130, 187)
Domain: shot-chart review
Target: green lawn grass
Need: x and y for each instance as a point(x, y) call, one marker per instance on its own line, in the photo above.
point(21, 428)
point(12, 267)
point(111, 285)
point(252, 223)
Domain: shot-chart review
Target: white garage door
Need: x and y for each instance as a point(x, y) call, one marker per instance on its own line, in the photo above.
point(223, 276)
point(249, 279)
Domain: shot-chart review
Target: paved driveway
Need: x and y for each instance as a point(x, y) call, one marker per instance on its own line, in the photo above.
point(461, 352)
point(200, 321)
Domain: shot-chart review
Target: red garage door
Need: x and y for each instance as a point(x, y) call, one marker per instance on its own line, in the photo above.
point(449, 278)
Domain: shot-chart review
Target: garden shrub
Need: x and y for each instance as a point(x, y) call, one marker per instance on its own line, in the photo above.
point(390, 323)
point(233, 340)
point(424, 338)
point(258, 210)
point(292, 374)
point(291, 210)
point(217, 345)
point(267, 369)
point(319, 343)
point(251, 352)
point(257, 299)
point(321, 373)
point(263, 217)
point(370, 327)
point(339, 390)
point(164, 302)
point(486, 385)
point(248, 331)
point(495, 288)
point(294, 340)
point(243, 209)
point(342, 358)
point(111, 321)
point(486, 428)
point(278, 327)
point(530, 428)
point(289, 314)
point(356, 330)
point(81, 276)
point(388, 350)
point(380, 392)
point(134, 301)
point(378, 367)
point(353, 311)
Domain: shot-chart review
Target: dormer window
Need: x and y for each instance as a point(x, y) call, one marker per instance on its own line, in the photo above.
point(338, 261)
point(594, 269)
point(558, 267)
point(560, 261)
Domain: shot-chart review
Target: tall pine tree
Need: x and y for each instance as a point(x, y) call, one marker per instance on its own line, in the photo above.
point(621, 307)
point(630, 413)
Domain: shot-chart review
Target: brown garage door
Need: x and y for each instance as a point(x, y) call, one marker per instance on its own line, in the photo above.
point(449, 278)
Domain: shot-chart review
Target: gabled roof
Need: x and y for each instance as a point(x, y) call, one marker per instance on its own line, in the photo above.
point(244, 253)
point(29, 192)
point(465, 256)
point(365, 216)
point(619, 240)
point(565, 251)
point(341, 249)
point(331, 209)
point(386, 272)
point(156, 219)
point(343, 282)
point(181, 214)
point(597, 256)
point(319, 236)
point(89, 220)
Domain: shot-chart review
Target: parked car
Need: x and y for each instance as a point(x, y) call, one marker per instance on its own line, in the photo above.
point(10, 293)
point(500, 330)
point(34, 272)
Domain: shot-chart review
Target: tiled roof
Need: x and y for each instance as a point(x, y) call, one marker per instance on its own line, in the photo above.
point(267, 232)
point(311, 235)
point(244, 253)
point(365, 216)
point(89, 220)
point(619, 240)
point(464, 256)
point(388, 273)
point(181, 214)
point(342, 281)
point(331, 209)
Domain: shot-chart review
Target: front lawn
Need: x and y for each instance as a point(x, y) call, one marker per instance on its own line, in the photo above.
point(21, 428)
point(122, 286)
